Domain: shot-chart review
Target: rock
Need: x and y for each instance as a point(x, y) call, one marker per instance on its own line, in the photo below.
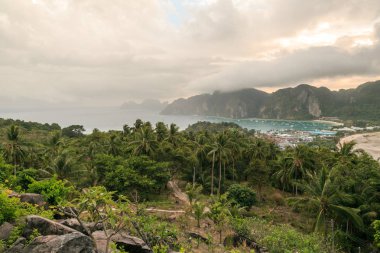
point(5, 230)
point(44, 226)
point(128, 243)
point(198, 236)
point(74, 224)
point(237, 241)
point(68, 243)
point(32, 198)
point(17, 246)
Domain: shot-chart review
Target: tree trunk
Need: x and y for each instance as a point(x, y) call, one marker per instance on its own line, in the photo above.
point(212, 173)
point(224, 172)
point(193, 176)
point(220, 174)
point(233, 170)
point(325, 232)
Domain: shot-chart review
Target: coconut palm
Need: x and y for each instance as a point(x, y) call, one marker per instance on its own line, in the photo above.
point(327, 201)
point(221, 150)
point(145, 142)
point(301, 164)
point(14, 152)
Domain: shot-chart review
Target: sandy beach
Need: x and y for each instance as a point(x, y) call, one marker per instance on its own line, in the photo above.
point(370, 142)
point(333, 123)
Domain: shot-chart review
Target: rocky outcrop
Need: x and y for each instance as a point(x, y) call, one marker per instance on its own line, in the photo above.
point(128, 243)
point(56, 237)
point(31, 198)
point(75, 242)
point(44, 226)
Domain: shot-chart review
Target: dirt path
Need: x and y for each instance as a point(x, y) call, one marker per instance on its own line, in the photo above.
point(163, 210)
point(369, 142)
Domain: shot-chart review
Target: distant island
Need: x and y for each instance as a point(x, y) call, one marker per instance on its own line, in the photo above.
point(148, 104)
point(304, 102)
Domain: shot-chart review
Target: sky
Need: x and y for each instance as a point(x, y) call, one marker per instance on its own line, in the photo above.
point(103, 53)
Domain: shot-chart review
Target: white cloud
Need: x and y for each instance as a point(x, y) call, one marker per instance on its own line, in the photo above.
point(105, 52)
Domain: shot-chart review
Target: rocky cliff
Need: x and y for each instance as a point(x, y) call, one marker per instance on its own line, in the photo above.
point(301, 102)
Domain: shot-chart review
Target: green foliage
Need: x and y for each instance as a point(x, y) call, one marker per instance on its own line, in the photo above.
point(24, 178)
point(212, 127)
point(137, 173)
point(199, 211)
point(155, 232)
point(73, 131)
point(11, 208)
point(193, 192)
point(241, 227)
point(35, 233)
point(376, 236)
point(241, 195)
point(277, 238)
point(53, 190)
point(282, 238)
point(8, 207)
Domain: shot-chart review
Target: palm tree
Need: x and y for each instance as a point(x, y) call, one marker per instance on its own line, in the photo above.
point(282, 175)
point(114, 145)
point(201, 149)
point(63, 166)
point(220, 149)
point(173, 135)
point(145, 142)
point(328, 201)
point(14, 153)
point(301, 164)
point(236, 147)
point(161, 131)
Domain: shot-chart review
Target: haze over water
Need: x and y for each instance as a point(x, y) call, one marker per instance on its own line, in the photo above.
point(112, 118)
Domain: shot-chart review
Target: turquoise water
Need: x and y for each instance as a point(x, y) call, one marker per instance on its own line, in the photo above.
point(110, 118)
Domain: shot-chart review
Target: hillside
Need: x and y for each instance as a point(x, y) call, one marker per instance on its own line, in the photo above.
point(302, 102)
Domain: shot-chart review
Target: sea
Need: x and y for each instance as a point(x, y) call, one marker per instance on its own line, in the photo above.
point(113, 118)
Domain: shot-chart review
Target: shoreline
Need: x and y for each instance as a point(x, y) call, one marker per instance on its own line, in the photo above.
point(333, 123)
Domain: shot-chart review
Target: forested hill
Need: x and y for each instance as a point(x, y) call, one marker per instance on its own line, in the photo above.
point(302, 102)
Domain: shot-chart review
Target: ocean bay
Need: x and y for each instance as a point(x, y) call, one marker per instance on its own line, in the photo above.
point(113, 118)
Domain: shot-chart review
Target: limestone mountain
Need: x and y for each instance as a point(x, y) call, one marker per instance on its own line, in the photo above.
point(301, 102)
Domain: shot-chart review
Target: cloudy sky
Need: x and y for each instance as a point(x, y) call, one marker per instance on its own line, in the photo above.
point(105, 52)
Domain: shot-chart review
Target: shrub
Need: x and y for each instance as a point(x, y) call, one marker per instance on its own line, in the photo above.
point(8, 207)
point(376, 236)
point(285, 238)
point(5, 170)
point(241, 195)
point(53, 190)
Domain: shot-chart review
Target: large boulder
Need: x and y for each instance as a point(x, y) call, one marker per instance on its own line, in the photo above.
point(44, 226)
point(5, 230)
point(68, 243)
point(32, 198)
point(74, 224)
point(129, 243)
